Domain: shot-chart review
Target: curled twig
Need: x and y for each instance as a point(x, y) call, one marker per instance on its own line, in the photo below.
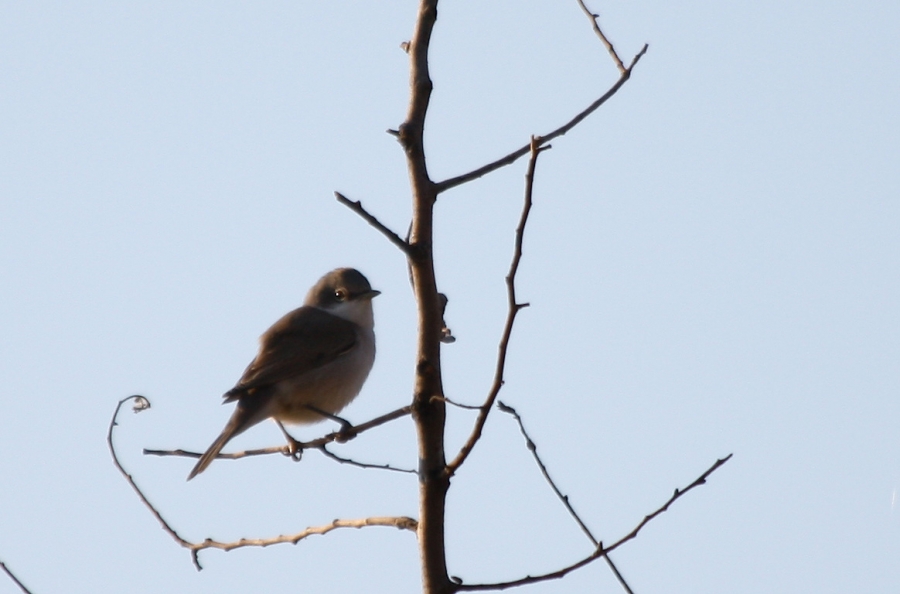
point(141, 404)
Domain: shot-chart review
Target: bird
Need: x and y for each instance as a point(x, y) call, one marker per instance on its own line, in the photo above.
point(311, 363)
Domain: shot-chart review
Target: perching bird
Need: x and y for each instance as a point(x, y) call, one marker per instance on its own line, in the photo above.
point(311, 363)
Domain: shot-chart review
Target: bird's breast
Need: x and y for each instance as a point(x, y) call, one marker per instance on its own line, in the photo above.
point(328, 388)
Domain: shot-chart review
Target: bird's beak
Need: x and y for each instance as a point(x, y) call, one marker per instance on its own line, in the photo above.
point(370, 294)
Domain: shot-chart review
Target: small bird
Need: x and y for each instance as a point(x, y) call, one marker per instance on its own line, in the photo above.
point(311, 363)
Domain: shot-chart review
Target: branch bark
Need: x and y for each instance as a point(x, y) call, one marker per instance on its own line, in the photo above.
point(428, 412)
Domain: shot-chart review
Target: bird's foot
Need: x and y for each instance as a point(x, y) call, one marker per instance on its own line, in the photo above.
point(294, 448)
point(346, 433)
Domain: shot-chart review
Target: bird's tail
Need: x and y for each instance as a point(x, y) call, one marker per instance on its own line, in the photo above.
point(243, 418)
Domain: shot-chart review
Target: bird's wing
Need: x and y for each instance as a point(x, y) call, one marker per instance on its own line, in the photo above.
point(303, 339)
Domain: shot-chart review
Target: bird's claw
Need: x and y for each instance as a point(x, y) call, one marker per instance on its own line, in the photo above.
point(346, 433)
point(294, 449)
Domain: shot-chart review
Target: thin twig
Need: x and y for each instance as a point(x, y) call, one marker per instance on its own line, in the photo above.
point(609, 46)
point(513, 309)
point(141, 403)
point(357, 207)
point(701, 480)
point(221, 456)
point(458, 404)
point(285, 450)
point(520, 152)
point(328, 453)
point(14, 578)
point(399, 522)
point(532, 447)
point(600, 550)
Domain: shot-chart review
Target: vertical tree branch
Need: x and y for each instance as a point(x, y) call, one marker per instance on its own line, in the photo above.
point(513, 307)
point(428, 412)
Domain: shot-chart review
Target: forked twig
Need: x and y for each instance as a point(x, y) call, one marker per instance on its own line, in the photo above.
point(600, 551)
point(513, 309)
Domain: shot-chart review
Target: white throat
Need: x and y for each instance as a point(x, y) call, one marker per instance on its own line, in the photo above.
point(358, 311)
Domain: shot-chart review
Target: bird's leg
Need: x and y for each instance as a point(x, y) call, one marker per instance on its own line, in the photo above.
point(295, 448)
point(347, 432)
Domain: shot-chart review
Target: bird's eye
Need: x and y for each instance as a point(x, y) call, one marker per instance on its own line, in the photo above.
point(340, 295)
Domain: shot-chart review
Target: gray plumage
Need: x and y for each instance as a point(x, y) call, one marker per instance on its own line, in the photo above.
point(315, 358)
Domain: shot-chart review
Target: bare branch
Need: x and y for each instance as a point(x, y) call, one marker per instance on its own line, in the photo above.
point(222, 456)
point(399, 522)
point(701, 480)
point(142, 403)
point(357, 207)
point(609, 46)
point(459, 404)
point(513, 309)
point(520, 152)
point(532, 447)
point(328, 453)
point(14, 578)
point(285, 449)
point(600, 551)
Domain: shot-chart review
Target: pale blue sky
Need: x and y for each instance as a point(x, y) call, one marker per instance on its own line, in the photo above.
point(712, 266)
